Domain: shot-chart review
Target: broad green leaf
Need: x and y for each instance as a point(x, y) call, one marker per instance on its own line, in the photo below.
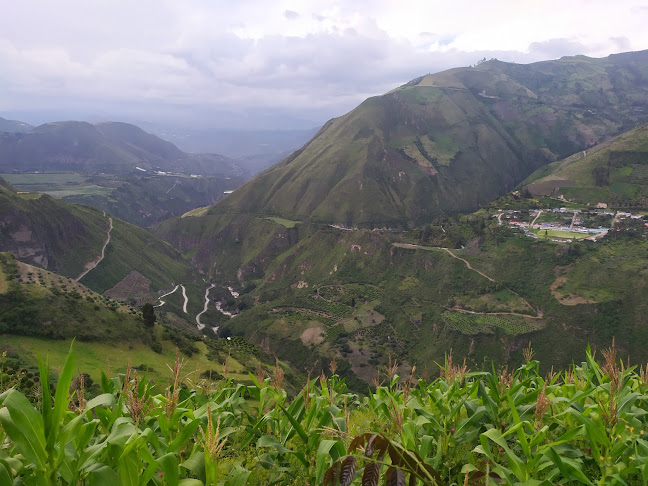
point(190, 482)
point(61, 398)
point(103, 400)
point(196, 464)
point(327, 447)
point(4, 476)
point(169, 465)
point(128, 468)
point(238, 476)
point(24, 426)
point(187, 431)
point(569, 468)
point(104, 476)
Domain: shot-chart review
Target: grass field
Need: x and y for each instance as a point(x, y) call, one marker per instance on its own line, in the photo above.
point(81, 190)
point(560, 234)
point(29, 195)
point(93, 358)
point(284, 222)
point(48, 178)
point(196, 212)
point(56, 184)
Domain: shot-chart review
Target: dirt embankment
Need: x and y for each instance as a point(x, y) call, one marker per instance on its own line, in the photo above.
point(565, 299)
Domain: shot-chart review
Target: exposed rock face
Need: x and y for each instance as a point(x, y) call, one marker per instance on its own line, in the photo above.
point(43, 231)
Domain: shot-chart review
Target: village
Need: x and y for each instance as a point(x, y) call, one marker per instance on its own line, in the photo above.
point(566, 224)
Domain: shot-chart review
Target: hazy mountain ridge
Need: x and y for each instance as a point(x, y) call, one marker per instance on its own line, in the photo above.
point(111, 147)
point(13, 126)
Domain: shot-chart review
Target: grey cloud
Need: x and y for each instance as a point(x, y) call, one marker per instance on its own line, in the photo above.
point(621, 43)
point(555, 48)
point(190, 67)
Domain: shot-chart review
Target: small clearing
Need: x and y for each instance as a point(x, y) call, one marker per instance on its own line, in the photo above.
point(286, 223)
point(313, 335)
point(566, 299)
point(133, 286)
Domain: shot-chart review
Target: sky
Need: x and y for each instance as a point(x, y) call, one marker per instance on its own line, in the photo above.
point(273, 64)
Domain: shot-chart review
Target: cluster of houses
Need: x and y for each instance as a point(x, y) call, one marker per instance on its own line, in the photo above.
point(571, 227)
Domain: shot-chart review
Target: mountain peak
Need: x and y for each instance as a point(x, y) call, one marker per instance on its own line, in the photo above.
point(449, 141)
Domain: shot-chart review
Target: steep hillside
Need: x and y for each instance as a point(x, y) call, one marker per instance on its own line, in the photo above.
point(614, 173)
point(40, 312)
point(310, 292)
point(70, 239)
point(108, 147)
point(146, 200)
point(450, 141)
point(44, 231)
point(358, 297)
point(36, 302)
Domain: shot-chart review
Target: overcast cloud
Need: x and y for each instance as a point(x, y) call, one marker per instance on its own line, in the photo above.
point(272, 64)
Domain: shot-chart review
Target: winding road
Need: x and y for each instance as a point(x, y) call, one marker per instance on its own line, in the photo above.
point(470, 267)
point(184, 294)
point(93, 264)
point(199, 324)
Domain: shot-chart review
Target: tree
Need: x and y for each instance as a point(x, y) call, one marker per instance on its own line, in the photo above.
point(148, 314)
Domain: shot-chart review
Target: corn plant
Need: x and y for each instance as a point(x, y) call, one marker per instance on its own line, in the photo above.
point(585, 425)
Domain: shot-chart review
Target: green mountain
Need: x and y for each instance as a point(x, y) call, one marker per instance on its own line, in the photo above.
point(36, 302)
point(41, 312)
point(70, 239)
point(108, 147)
point(614, 173)
point(450, 141)
point(311, 293)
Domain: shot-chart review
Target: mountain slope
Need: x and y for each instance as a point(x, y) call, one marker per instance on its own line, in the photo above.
point(13, 126)
point(450, 141)
point(614, 173)
point(145, 200)
point(65, 238)
point(109, 147)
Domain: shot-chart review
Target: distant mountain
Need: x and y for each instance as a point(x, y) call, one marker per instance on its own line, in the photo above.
point(109, 147)
point(254, 150)
point(450, 141)
point(13, 126)
point(614, 173)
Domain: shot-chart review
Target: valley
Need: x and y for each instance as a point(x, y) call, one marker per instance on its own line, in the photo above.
point(324, 244)
point(379, 239)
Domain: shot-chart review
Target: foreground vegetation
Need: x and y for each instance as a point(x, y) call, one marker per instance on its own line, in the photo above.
point(585, 425)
